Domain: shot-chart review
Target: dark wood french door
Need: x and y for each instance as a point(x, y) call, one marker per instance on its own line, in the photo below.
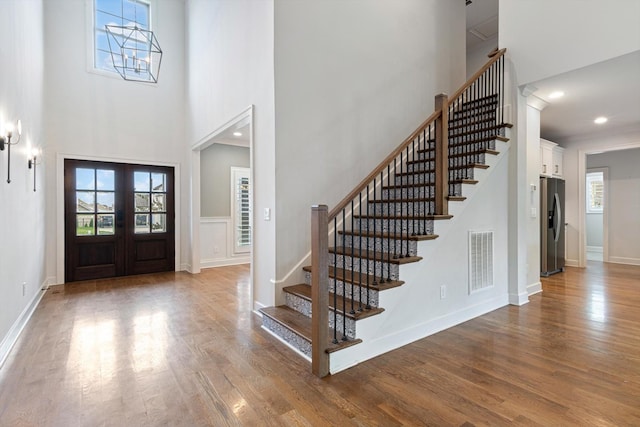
point(119, 219)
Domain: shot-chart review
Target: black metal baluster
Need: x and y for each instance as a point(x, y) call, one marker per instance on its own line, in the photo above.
point(387, 234)
point(375, 280)
point(404, 193)
point(353, 236)
point(335, 279)
point(368, 260)
point(395, 213)
point(361, 251)
point(344, 276)
point(382, 222)
point(408, 218)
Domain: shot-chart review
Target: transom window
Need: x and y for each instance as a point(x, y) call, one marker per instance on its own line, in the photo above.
point(116, 12)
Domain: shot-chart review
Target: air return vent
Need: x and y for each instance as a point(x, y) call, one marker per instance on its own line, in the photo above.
point(480, 260)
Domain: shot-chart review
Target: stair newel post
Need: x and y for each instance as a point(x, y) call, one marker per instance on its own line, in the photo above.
point(319, 290)
point(442, 155)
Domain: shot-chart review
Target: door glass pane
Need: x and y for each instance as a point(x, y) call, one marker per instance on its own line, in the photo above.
point(84, 225)
point(158, 203)
point(105, 180)
point(104, 202)
point(141, 181)
point(158, 182)
point(106, 224)
point(142, 223)
point(142, 202)
point(159, 223)
point(85, 201)
point(85, 179)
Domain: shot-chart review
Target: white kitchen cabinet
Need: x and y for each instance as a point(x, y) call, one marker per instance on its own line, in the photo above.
point(551, 159)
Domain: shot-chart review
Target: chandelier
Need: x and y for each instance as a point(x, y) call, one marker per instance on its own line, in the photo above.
point(135, 52)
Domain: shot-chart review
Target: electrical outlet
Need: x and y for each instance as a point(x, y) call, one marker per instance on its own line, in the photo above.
point(24, 288)
point(443, 291)
point(216, 249)
point(267, 214)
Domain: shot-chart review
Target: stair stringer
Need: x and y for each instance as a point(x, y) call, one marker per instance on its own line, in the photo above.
point(415, 310)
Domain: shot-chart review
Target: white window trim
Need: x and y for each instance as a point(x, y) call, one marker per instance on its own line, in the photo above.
point(591, 177)
point(90, 39)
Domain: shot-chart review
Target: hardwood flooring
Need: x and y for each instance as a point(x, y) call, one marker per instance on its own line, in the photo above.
point(174, 349)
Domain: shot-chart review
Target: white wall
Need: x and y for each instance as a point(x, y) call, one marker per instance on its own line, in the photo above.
point(353, 80)
point(478, 56)
point(230, 66)
point(594, 229)
point(104, 117)
point(549, 37)
point(623, 200)
point(215, 177)
point(624, 243)
point(22, 212)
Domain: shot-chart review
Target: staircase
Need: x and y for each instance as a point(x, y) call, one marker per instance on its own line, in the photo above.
point(377, 227)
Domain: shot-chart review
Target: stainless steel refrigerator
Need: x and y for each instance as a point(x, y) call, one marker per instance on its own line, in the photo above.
point(552, 226)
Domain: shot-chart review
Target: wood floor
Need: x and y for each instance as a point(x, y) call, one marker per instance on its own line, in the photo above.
point(179, 350)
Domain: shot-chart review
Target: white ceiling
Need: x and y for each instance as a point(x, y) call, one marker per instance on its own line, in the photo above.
point(610, 88)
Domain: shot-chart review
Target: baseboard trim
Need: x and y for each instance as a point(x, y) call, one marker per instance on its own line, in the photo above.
point(595, 249)
point(624, 260)
point(534, 288)
point(519, 299)
point(18, 326)
point(370, 348)
point(223, 262)
point(571, 263)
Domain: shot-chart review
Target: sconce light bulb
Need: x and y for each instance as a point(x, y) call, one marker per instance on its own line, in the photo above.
point(8, 130)
point(19, 127)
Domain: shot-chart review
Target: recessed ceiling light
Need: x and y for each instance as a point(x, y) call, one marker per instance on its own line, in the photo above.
point(237, 134)
point(557, 94)
point(600, 120)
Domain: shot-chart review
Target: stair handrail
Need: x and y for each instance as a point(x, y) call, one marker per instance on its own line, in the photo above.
point(495, 56)
point(399, 149)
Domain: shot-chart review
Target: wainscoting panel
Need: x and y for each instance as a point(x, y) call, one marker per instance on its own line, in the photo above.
point(216, 244)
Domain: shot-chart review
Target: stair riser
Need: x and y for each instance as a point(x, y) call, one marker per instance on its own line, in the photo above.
point(427, 156)
point(420, 227)
point(384, 245)
point(474, 131)
point(470, 118)
point(356, 293)
point(426, 164)
point(406, 208)
point(295, 340)
point(303, 306)
point(421, 178)
point(404, 193)
point(376, 268)
point(412, 192)
point(429, 165)
point(472, 137)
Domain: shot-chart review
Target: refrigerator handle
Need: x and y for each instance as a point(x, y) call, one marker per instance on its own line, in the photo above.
point(558, 217)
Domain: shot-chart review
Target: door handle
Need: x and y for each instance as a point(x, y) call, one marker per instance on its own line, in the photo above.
point(119, 218)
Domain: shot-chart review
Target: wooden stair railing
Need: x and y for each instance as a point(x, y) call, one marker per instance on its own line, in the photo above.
point(371, 228)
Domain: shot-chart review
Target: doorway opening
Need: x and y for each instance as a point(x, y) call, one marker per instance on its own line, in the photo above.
point(595, 197)
point(222, 221)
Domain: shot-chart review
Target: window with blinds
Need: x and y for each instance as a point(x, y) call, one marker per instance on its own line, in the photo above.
point(240, 179)
point(595, 192)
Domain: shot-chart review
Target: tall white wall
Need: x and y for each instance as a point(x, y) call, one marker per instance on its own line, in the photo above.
point(624, 223)
point(104, 117)
point(230, 66)
point(352, 81)
point(549, 37)
point(22, 212)
point(216, 162)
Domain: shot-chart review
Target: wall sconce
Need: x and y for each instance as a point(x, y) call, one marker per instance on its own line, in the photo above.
point(5, 140)
point(33, 162)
